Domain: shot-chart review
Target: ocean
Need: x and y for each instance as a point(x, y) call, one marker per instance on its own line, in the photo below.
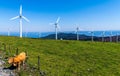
point(43, 34)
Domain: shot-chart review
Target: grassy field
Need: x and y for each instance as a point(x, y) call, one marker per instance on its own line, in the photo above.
point(68, 58)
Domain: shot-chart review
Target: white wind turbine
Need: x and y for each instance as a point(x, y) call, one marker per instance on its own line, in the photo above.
point(111, 36)
point(77, 32)
point(8, 32)
point(117, 37)
point(92, 33)
point(20, 17)
point(39, 35)
point(103, 35)
point(26, 34)
point(56, 27)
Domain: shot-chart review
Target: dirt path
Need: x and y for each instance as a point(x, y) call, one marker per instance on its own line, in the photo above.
point(5, 72)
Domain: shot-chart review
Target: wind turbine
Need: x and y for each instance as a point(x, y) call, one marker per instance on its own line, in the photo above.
point(92, 33)
point(20, 17)
point(8, 32)
point(39, 35)
point(77, 32)
point(103, 35)
point(26, 34)
point(56, 27)
point(111, 36)
point(117, 37)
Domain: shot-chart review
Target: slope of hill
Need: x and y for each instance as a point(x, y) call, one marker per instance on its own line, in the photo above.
point(71, 36)
point(68, 36)
point(68, 58)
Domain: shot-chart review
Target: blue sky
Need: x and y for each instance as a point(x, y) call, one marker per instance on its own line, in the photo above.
point(87, 14)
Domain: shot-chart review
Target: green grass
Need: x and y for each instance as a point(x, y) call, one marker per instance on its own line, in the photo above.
point(68, 58)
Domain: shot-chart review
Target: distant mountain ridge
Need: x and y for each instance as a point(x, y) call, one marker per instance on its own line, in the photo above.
point(82, 37)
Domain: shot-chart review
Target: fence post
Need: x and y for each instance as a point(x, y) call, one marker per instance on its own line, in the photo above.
point(17, 51)
point(9, 47)
point(4, 46)
point(38, 62)
point(0, 44)
point(26, 56)
point(9, 50)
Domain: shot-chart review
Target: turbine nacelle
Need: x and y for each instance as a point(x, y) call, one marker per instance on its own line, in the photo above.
point(56, 24)
point(91, 32)
point(77, 28)
point(20, 16)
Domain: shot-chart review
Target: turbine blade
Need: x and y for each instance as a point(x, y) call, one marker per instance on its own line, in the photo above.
point(21, 10)
point(58, 20)
point(58, 26)
point(14, 18)
point(103, 32)
point(51, 23)
point(75, 31)
point(25, 18)
point(89, 32)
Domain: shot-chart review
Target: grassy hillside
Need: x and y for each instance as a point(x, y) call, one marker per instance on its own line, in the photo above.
point(69, 58)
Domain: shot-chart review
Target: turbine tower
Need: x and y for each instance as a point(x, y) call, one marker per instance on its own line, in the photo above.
point(111, 36)
point(103, 35)
point(8, 32)
point(56, 27)
point(92, 39)
point(26, 34)
point(117, 37)
point(39, 35)
point(77, 32)
point(20, 17)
